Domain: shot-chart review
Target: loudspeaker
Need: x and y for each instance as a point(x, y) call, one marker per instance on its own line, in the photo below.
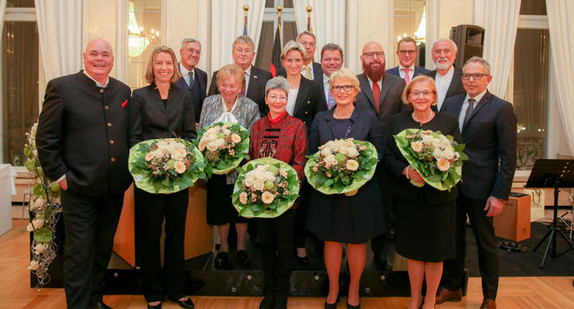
point(470, 41)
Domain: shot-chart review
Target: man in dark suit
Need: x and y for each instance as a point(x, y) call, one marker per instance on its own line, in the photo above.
point(375, 84)
point(82, 142)
point(331, 61)
point(192, 78)
point(407, 54)
point(446, 76)
point(381, 94)
point(255, 78)
point(311, 70)
point(488, 127)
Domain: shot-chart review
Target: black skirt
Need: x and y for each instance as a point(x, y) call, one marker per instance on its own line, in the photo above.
point(425, 232)
point(220, 210)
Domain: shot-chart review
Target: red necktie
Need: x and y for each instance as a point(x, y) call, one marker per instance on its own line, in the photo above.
point(376, 95)
point(407, 77)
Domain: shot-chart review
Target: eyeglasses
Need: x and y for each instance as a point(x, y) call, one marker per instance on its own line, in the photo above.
point(276, 98)
point(407, 52)
point(340, 88)
point(475, 76)
point(371, 55)
point(307, 44)
point(425, 94)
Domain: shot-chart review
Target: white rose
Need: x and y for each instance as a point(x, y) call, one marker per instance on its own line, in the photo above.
point(427, 139)
point(149, 156)
point(235, 138)
point(330, 159)
point(437, 154)
point(352, 152)
point(179, 167)
point(40, 248)
point(448, 153)
point(212, 146)
point(326, 151)
point(417, 146)
point(35, 225)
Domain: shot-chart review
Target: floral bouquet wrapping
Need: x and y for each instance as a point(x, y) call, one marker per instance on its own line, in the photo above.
point(165, 165)
point(341, 166)
point(436, 157)
point(45, 207)
point(224, 145)
point(265, 188)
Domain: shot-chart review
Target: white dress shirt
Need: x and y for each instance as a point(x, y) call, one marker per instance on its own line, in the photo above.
point(465, 105)
point(442, 84)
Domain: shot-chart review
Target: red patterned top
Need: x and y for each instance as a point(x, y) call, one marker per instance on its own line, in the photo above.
point(283, 138)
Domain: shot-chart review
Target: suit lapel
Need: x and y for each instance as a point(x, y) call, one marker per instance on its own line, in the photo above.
point(366, 89)
point(386, 87)
point(485, 99)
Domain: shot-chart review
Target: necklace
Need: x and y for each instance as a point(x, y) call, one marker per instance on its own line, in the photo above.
point(421, 123)
point(343, 116)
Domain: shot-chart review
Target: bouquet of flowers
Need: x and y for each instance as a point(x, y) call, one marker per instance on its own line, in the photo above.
point(166, 165)
point(437, 158)
point(224, 145)
point(341, 166)
point(265, 188)
point(45, 208)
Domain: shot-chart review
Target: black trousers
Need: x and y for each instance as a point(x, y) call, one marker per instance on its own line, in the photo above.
point(150, 212)
point(90, 225)
point(453, 274)
point(277, 251)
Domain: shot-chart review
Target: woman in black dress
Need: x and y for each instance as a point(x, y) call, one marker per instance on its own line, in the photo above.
point(161, 110)
point(425, 216)
point(304, 102)
point(339, 219)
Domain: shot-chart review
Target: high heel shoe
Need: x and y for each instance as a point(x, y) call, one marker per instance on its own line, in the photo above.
point(333, 305)
point(353, 307)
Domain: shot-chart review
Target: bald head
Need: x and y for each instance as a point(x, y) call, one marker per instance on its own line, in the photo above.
point(98, 60)
point(373, 59)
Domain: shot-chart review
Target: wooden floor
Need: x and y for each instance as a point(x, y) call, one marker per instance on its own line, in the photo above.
point(15, 291)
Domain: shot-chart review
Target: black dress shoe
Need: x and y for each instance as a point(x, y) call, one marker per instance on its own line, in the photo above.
point(243, 259)
point(102, 305)
point(222, 260)
point(188, 303)
point(158, 306)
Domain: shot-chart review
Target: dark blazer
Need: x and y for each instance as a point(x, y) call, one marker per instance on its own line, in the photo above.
point(197, 90)
point(317, 72)
point(150, 118)
point(455, 87)
point(83, 133)
point(367, 206)
point(418, 71)
point(309, 102)
point(490, 138)
point(396, 162)
point(391, 92)
point(255, 91)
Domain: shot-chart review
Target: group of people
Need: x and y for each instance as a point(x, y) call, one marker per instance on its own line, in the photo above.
point(289, 117)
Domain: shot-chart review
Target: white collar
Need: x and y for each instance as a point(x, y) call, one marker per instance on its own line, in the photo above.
point(98, 83)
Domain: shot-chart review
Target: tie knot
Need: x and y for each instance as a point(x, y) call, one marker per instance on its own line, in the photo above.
point(406, 70)
point(471, 102)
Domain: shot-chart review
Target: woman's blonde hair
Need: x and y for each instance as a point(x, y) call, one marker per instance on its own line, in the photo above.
point(346, 74)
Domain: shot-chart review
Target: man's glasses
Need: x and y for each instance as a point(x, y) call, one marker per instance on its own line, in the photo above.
point(475, 76)
point(371, 55)
point(407, 52)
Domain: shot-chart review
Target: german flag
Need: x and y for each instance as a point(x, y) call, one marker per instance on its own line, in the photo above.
point(276, 54)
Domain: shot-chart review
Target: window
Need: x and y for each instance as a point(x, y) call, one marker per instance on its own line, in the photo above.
point(144, 27)
point(531, 84)
point(410, 21)
point(268, 29)
point(20, 60)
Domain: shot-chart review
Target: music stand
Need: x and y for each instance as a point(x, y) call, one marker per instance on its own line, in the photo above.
point(548, 173)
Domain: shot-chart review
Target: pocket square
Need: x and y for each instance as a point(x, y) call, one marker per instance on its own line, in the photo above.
point(125, 104)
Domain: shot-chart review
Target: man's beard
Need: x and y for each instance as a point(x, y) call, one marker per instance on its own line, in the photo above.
point(442, 65)
point(374, 74)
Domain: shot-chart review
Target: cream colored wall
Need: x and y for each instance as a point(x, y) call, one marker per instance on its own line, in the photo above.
point(373, 25)
point(99, 22)
point(180, 22)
